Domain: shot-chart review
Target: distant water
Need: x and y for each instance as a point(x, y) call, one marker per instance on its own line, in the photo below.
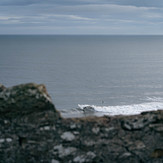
point(113, 74)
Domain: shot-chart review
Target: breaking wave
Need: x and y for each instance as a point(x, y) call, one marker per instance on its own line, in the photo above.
point(124, 109)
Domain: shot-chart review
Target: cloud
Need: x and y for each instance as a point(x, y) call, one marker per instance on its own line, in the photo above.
point(70, 17)
point(138, 3)
point(107, 15)
point(15, 2)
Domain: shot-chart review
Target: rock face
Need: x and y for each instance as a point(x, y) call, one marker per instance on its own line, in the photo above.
point(24, 99)
point(32, 130)
point(2, 87)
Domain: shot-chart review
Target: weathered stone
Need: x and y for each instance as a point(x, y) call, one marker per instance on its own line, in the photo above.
point(125, 155)
point(8, 140)
point(138, 123)
point(2, 140)
point(85, 158)
point(2, 87)
point(63, 151)
point(68, 136)
point(136, 145)
point(73, 126)
point(31, 130)
point(80, 159)
point(89, 142)
point(54, 161)
point(96, 130)
point(157, 127)
point(25, 99)
point(88, 109)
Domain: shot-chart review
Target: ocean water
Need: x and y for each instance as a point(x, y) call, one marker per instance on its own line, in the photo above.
point(112, 74)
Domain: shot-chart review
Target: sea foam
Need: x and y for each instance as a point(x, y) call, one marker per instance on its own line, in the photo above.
point(125, 109)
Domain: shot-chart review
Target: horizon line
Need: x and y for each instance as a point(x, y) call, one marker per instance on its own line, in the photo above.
point(81, 34)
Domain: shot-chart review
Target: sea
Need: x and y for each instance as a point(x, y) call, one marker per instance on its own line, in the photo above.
point(113, 74)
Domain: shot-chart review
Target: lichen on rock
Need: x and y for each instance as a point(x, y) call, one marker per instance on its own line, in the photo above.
point(24, 99)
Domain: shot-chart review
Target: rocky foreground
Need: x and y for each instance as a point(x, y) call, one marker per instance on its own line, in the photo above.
point(32, 130)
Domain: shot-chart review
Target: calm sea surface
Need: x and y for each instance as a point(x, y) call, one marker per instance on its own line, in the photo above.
point(93, 70)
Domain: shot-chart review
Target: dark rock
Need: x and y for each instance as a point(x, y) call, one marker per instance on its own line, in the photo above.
point(157, 153)
point(138, 123)
point(32, 130)
point(88, 109)
point(2, 87)
point(25, 99)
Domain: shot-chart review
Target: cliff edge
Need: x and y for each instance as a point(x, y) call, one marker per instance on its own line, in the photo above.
point(32, 130)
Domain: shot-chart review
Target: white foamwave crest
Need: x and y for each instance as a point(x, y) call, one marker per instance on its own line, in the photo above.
point(154, 99)
point(126, 109)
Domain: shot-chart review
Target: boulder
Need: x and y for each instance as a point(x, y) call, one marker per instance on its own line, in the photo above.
point(25, 99)
point(88, 109)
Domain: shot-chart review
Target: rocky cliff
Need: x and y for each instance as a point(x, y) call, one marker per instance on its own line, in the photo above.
point(32, 130)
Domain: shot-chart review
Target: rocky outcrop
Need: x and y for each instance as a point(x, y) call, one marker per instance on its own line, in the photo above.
point(24, 100)
point(32, 130)
point(2, 87)
point(88, 109)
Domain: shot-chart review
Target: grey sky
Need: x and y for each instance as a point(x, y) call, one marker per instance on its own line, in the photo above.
point(81, 17)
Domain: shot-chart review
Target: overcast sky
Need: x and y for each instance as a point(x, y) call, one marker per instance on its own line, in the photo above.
point(81, 16)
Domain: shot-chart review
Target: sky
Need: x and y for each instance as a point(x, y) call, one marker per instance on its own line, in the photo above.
point(108, 17)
